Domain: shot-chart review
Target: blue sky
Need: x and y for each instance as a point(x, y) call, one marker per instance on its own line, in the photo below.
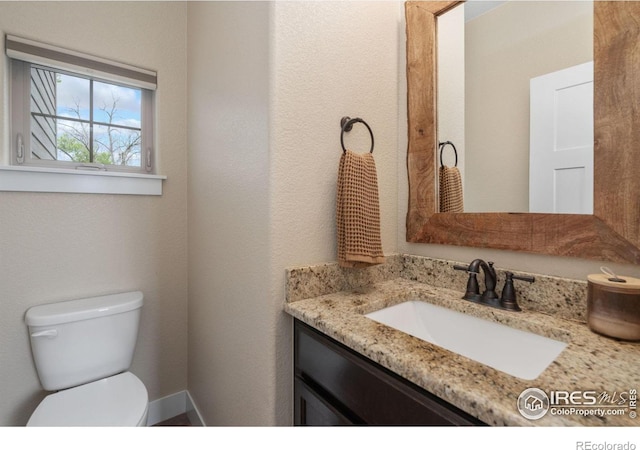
point(74, 91)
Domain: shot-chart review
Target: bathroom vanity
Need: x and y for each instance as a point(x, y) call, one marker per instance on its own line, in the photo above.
point(336, 386)
point(350, 369)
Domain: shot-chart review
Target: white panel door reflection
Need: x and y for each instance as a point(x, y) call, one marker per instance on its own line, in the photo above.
point(561, 142)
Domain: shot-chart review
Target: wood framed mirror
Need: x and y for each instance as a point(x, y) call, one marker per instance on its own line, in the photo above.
point(612, 233)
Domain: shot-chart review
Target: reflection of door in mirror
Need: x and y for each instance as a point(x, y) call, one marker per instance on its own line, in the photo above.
point(561, 149)
point(502, 50)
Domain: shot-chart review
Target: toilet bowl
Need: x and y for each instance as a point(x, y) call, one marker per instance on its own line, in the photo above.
point(83, 349)
point(118, 401)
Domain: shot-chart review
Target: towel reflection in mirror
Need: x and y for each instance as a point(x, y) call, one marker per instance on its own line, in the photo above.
point(450, 184)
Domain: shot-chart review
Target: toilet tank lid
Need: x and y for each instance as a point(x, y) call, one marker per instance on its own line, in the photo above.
point(83, 309)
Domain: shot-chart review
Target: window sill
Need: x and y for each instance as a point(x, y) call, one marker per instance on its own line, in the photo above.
point(37, 179)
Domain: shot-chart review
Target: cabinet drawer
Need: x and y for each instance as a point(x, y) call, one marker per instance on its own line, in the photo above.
point(313, 410)
point(365, 391)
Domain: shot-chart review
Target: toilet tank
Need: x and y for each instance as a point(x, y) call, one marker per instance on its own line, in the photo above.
point(80, 341)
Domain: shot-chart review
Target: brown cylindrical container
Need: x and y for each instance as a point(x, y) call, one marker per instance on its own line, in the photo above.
point(613, 308)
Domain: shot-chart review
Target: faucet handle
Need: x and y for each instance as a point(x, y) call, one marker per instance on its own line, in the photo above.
point(473, 289)
point(508, 300)
point(523, 278)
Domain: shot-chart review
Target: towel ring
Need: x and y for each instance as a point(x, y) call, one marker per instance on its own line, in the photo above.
point(346, 124)
point(442, 145)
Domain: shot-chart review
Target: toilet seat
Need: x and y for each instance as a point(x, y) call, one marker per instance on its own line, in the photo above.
point(117, 401)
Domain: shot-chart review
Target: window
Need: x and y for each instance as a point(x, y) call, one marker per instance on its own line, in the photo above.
point(74, 111)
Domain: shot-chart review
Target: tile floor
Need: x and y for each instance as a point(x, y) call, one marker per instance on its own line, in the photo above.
point(178, 421)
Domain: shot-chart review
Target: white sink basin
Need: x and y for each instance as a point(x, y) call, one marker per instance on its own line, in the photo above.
point(519, 353)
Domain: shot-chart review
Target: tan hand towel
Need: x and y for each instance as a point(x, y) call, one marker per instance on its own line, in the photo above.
point(358, 211)
point(451, 198)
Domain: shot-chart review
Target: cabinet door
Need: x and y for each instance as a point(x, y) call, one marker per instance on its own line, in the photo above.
point(311, 409)
point(363, 390)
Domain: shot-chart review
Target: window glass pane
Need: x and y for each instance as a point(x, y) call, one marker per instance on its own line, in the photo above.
point(73, 141)
point(81, 120)
point(114, 145)
point(43, 106)
point(116, 105)
point(72, 96)
point(43, 137)
point(118, 111)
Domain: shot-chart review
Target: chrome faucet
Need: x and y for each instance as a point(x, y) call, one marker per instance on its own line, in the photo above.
point(489, 296)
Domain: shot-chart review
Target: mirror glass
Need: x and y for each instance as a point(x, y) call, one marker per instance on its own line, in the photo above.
point(515, 97)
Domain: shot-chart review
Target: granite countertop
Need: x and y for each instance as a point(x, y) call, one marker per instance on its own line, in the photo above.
point(590, 362)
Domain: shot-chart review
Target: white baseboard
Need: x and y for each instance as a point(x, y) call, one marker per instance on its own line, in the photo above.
point(173, 405)
point(192, 412)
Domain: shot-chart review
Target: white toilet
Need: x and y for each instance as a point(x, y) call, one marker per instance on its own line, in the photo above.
point(82, 349)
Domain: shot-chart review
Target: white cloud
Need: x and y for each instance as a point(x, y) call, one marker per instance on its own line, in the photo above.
point(73, 93)
point(128, 99)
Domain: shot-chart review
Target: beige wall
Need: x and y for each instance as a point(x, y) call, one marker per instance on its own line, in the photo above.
point(505, 48)
point(331, 59)
point(231, 326)
point(62, 246)
point(268, 86)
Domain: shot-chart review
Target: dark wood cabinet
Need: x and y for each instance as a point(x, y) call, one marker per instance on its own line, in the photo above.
point(336, 386)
